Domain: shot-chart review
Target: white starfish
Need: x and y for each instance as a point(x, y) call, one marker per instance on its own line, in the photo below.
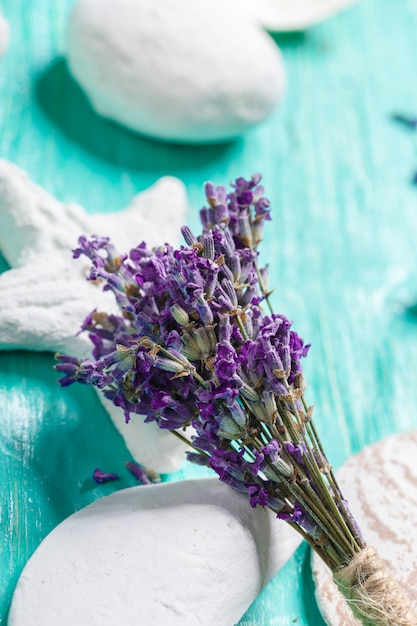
point(45, 297)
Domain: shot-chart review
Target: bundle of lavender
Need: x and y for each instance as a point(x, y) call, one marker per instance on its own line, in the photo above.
point(194, 350)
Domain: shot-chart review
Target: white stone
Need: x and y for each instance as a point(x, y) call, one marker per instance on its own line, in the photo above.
point(187, 71)
point(179, 554)
point(294, 15)
point(4, 35)
point(45, 297)
point(380, 484)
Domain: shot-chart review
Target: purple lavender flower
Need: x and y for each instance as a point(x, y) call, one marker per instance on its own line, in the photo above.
point(194, 347)
point(295, 516)
point(258, 495)
point(272, 449)
point(191, 345)
point(297, 452)
point(103, 477)
point(138, 472)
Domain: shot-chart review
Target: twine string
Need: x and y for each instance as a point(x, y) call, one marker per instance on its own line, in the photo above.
point(374, 597)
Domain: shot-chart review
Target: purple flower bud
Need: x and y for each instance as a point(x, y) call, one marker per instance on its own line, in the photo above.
point(227, 273)
point(207, 218)
point(169, 365)
point(66, 368)
point(257, 463)
point(235, 267)
point(211, 193)
point(225, 329)
point(103, 477)
point(138, 472)
point(179, 315)
point(211, 283)
point(173, 341)
point(295, 516)
point(296, 451)
point(258, 495)
point(229, 244)
point(189, 238)
point(221, 214)
point(228, 462)
point(248, 392)
point(245, 297)
point(272, 449)
point(208, 245)
point(198, 459)
point(246, 198)
point(229, 428)
point(90, 247)
point(352, 519)
point(205, 312)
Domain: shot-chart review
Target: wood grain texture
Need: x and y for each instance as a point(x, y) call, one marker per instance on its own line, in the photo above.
point(380, 484)
point(342, 240)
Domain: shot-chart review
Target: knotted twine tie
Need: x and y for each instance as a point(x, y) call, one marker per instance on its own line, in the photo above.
point(372, 594)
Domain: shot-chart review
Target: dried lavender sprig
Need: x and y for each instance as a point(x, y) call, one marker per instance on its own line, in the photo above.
point(236, 352)
point(193, 347)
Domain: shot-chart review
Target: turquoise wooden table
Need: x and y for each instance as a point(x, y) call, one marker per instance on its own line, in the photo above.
point(342, 242)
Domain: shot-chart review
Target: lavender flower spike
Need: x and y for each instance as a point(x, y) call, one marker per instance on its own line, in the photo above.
point(103, 477)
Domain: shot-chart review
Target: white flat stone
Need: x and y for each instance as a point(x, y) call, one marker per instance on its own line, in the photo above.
point(45, 297)
point(185, 71)
point(294, 15)
point(4, 35)
point(380, 484)
point(178, 554)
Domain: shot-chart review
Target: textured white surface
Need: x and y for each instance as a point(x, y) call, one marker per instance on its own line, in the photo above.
point(294, 15)
point(186, 71)
point(4, 35)
point(380, 485)
point(45, 297)
point(156, 449)
point(179, 554)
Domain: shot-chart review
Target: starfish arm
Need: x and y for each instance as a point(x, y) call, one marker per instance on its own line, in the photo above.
point(32, 222)
point(154, 215)
point(43, 306)
point(37, 234)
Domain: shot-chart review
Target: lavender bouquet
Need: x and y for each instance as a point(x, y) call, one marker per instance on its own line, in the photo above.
point(195, 350)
